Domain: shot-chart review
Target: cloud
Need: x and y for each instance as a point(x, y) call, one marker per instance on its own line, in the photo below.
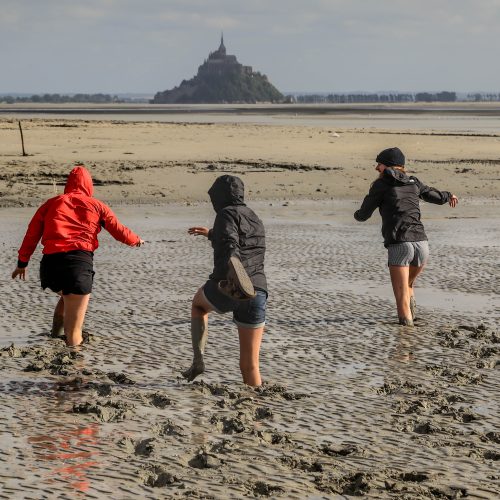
point(318, 44)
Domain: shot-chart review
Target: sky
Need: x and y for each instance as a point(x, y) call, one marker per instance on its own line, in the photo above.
point(145, 46)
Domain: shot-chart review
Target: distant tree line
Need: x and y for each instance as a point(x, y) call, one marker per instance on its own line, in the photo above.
point(444, 96)
point(351, 98)
point(58, 98)
point(478, 97)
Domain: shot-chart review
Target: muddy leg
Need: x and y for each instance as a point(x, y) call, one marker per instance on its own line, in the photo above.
point(58, 320)
point(199, 335)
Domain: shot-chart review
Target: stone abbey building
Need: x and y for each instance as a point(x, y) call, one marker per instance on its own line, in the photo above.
point(221, 79)
point(219, 63)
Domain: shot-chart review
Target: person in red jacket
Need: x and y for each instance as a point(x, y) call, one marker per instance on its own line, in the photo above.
point(68, 225)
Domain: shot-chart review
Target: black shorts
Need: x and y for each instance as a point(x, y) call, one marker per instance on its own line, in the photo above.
point(69, 272)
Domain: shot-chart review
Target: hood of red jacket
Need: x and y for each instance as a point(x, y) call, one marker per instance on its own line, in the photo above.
point(79, 181)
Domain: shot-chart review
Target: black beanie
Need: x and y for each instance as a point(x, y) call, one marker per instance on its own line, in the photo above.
point(391, 157)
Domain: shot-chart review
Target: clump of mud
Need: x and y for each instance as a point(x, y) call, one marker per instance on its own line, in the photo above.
point(109, 411)
point(204, 460)
point(157, 476)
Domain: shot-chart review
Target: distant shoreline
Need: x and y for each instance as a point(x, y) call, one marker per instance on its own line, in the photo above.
point(456, 108)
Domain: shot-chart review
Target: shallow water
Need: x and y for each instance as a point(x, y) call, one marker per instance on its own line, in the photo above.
point(346, 373)
point(463, 120)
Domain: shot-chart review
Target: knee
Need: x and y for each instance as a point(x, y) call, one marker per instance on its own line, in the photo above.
point(197, 311)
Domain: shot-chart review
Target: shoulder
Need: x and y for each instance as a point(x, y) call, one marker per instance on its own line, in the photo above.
point(378, 185)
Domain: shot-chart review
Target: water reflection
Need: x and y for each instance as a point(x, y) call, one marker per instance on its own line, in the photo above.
point(405, 347)
point(66, 446)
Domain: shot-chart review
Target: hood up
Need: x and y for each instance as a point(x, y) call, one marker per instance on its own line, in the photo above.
point(397, 178)
point(79, 181)
point(226, 191)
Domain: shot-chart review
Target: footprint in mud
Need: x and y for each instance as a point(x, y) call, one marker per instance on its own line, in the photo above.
point(168, 428)
point(356, 484)
point(277, 391)
point(492, 455)
point(273, 437)
point(493, 436)
point(215, 390)
point(145, 447)
point(120, 378)
point(158, 400)
point(13, 352)
point(58, 363)
point(157, 476)
point(485, 352)
point(228, 425)
point(456, 376)
point(488, 363)
point(419, 427)
point(102, 390)
point(302, 464)
point(110, 411)
point(224, 446)
point(70, 384)
point(204, 460)
point(343, 450)
point(127, 444)
point(398, 386)
point(263, 489)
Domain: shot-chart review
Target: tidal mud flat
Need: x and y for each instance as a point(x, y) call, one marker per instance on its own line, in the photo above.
point(353, 404)
point(159, 162)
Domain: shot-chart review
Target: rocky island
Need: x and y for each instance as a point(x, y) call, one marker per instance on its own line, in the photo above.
point(221, 79)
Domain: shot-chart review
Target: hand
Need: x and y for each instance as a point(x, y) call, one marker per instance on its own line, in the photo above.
point(199, 231)
point(453, 201)
point(140, 243)
point(21, 272)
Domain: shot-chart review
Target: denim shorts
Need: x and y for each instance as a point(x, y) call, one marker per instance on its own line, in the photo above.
point(408, 253)
point(246, 313)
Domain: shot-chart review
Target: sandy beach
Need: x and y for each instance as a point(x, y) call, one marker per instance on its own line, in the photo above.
point(352, 405)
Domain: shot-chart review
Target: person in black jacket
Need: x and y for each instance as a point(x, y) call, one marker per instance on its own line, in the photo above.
point(237, 284)
point(397, 197)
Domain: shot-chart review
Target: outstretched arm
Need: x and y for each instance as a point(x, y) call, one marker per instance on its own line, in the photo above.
point(200, 231)
point(433, 195)
point(370, 203)
point(453, 201)
point(119, 232)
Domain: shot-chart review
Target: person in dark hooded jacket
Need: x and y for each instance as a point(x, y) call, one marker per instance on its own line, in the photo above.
point(397, 196)
point(68, 226)
point(238, 242)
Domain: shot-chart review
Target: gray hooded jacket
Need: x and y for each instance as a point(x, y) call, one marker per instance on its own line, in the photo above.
point(237, 231)
point(397, 197)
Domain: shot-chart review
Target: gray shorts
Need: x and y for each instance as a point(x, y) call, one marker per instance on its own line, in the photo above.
point(408, 253)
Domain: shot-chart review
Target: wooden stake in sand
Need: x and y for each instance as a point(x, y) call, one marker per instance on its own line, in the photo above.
point(22, 138)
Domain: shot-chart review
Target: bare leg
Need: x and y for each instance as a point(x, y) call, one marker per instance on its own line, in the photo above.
point(75, 307)
point(58, 320)
point(199, 335)
point(400, 279)
point(250, 340)
point(413, 273)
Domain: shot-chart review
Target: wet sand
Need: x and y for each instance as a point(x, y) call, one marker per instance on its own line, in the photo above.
point(353, 404)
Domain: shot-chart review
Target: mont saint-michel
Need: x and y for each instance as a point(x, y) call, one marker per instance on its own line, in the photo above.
point(222, 79)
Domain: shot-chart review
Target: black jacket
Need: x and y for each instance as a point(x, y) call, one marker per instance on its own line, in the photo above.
point(397, 197)
point(237, 231)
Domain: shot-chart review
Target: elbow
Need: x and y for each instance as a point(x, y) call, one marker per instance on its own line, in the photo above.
point(359, 217)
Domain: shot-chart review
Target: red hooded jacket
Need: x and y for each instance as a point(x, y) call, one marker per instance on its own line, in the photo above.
point(71, 221)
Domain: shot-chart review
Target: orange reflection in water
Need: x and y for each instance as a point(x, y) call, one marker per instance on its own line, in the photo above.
point(66, 446)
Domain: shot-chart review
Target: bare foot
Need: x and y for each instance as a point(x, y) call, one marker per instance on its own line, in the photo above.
point(197, 368)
